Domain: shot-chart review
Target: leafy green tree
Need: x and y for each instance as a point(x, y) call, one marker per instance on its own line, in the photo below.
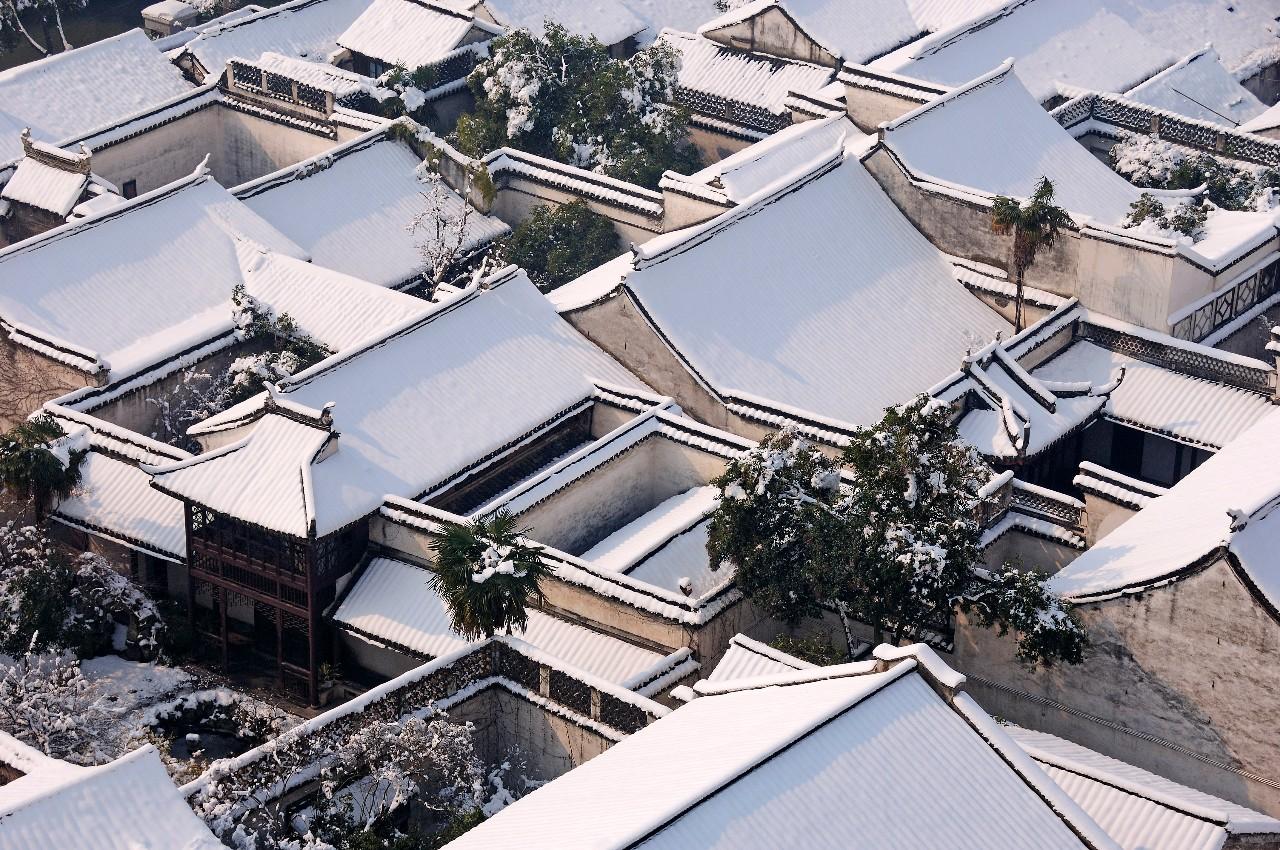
point(562, 96)
point(893, 544)
point(33, 465)
point(1034, 225)
point(487, 575)
point(557, 245)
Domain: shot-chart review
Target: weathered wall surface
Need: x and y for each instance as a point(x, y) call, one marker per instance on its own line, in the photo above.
point(617, 326)
point(517, 198)
point(28, 380)
point(1028, 552)
point(619, 491)
point(241, 147)
point(712, 144)
point(774, 33)
point(1191, 663)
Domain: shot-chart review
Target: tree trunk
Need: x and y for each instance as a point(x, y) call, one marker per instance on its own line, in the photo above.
point(1018, 296)
point(17, 22)
point(848, 633)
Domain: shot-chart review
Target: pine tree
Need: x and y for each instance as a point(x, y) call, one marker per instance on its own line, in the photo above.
point(893, 544)
point(562, 96)
point(487, 575)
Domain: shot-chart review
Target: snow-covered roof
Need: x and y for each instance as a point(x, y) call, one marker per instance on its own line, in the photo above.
point(666, 545)
point(937, 15)
point(393, 602)
point(1189, 525)
point(43, 185)
point(1080, 43)
point(307, 29)
point(69, 94)
point(1200, 87)
point(993, 136)
point(749, 659)
point(1243, 32)
point(501, 360)
point(130, 286)
point(873, 29)
point(339, 82)
point(128, 804)
point(349, 209)
point(115, 498)
point(1137, 808)
point(708, 68)
point(1015, 414)
point(669, 14)
point(1268, 120)
point(611, 21)
point(333, 308)
point(831, 758)
point(848, 280)
point(413, 33)
point(1191, 409)
point(744, 173)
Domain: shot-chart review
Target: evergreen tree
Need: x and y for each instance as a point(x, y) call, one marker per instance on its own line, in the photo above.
point(1034, 225)
point(38, 463)
point(487, 574)
point(557, 245)
point(893, 545)
point(562, 96)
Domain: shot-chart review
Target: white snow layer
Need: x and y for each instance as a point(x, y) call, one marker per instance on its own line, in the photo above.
point(1200, 87)
point(1188, 523)
point(856, 35)
point(68, 94)
point(872, 760)
point(849, 311)
point(393, 602)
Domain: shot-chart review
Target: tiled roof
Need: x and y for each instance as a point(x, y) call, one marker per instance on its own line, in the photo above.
point(306, 29)
point(393, 602)
point(116, 497)
point(68, 94)
point(350, 207)
point(412, 33)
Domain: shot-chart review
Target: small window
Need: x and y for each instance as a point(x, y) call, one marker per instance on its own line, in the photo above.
point(131, 188)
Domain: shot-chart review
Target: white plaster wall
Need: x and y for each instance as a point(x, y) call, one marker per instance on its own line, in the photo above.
point(869, 109)
point(516, 199)
point(1193, 663)
point(1103, 516)
point(772, 32)
point(714, 146)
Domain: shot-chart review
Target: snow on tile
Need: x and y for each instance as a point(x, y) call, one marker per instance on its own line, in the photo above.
point(42, 186)
point(501, 360)
point(937, 15)
point(666, 545)
point(749, 659)
point(1080, 43)
point(1138, 808)
point(116, 498)
point(744, 173)
point(1240, 30)
point(611, 21)
point(1191, 409)
point(339, 82)
point(681, 15)
point(712, 69)
point(305, 29)
point(127, 804)
point(847, 280)
point(1200, 87)
point(333, 308)
point(139, 282)
point(393, 602)
point(956, 142)
point(858, 34)
point(68, 94)
point(872, 760)
point(1188, 523)
point(349, 209)
point(412, 33)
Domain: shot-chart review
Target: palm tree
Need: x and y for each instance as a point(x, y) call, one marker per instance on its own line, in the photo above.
point(32, 469)
point(1034, 226)
point(486, 574)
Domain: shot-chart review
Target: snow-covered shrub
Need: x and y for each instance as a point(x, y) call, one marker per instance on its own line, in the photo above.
point(46, 703)
point(557, 245)
point(1156, 164)
point(1187, 218)
point(403, 92)
point(562, 96)
point(893, 547)
point(1016, 599)
point(48, 599)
